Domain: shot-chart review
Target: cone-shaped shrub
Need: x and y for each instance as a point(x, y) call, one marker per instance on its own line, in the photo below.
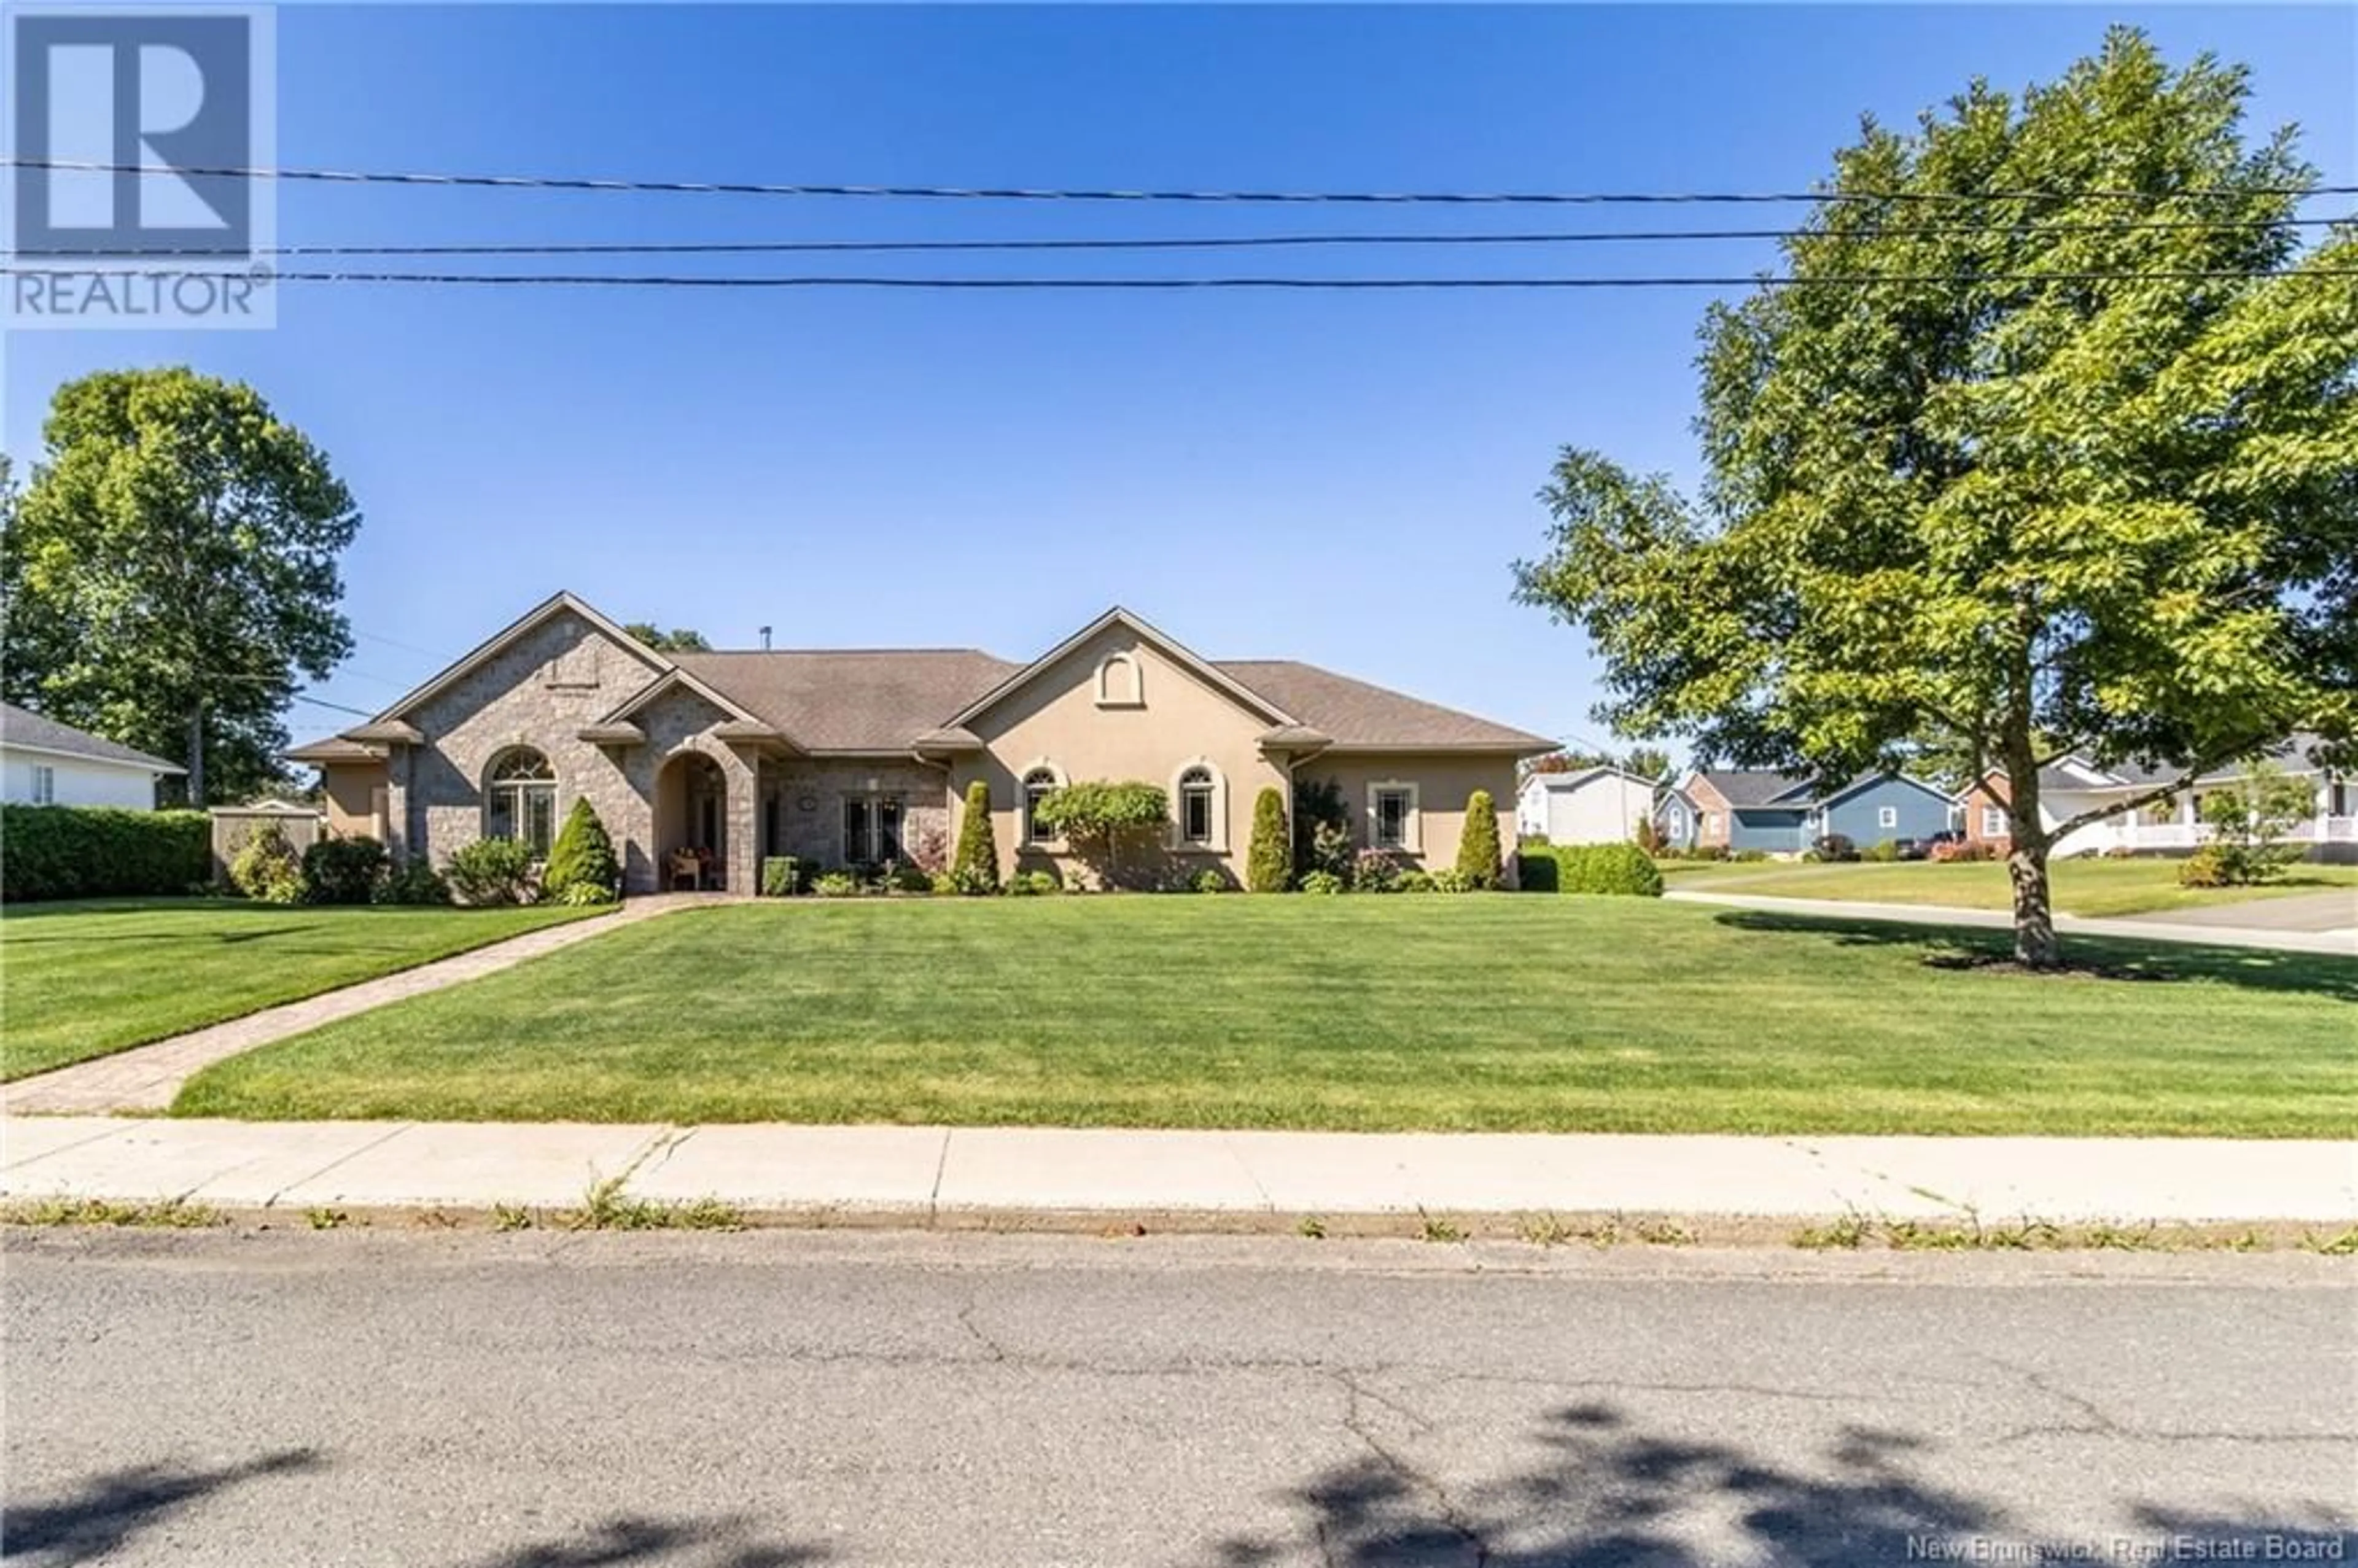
point(1477, 849)
point(974, 865)
point(1269, 865)
point(582, 857)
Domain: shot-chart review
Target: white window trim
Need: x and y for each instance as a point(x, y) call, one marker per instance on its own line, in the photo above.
point(1413, 825)
point(492, 788)
point(1886, 817)
point(1993, 822)
point(1137, 698)
point(45, 785)
point(1217, 844)
point(1023, 837)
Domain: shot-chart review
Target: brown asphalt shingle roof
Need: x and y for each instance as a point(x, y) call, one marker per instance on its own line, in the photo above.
point(23, 727)
point(882, 699)
point(1356, 714)
point(865, 699)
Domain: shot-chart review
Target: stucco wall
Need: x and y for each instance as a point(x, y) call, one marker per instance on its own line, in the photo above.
point(1179, 718)
point(78, 781)
point(1444, 782)
point(356, 796)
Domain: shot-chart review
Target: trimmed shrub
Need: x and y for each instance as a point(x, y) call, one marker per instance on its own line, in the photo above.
point(975, 867)
point(906, 879)
point(1477, 848)
point(1414, 881)
point(89, 851)
point(268, 870)
point(1835, 846)
point(415, 882)
point(1377, 870)
point(1034, 884)
point(1750, 856)
point(582, 856)
point(2209, 866)
point(1269, 865)
point(1212, 881)
point(1325, 883)
point(492, 870)
point(780, 875)
point(1099, 817)
point(1609, 869)
point(1449, 879)
point(343, 871)
point(835, 884)
point(1882, 851)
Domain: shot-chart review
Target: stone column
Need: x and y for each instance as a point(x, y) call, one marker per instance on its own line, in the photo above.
point(741, 773)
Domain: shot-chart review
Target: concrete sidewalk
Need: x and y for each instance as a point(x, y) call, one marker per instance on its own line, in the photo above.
point(923, 1175)
point(2342, 941)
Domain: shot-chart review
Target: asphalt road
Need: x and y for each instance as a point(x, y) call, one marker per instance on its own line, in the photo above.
point(752, 1401)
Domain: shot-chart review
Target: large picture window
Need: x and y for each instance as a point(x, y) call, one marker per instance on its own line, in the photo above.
point(520, 799)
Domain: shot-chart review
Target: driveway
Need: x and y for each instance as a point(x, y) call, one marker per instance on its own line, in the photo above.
point(2334, 909)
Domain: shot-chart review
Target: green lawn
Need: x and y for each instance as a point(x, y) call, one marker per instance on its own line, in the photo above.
point(2089, 887)
point(82, 979)
point(1509, 1011)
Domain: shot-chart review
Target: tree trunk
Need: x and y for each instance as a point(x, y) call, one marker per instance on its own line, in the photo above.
point(2035, 946)
point(196, 756)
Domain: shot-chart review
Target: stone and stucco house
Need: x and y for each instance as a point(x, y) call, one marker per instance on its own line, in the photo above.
point(44, 762)
point(856, 757)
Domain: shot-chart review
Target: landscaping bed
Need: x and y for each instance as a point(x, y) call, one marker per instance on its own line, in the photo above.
point(79, 981)
point(1486, 1011)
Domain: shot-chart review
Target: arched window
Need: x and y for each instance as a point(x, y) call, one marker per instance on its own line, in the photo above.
point(520, 798)
point(1196, 795)
point(1199, 807)
point(1119, 683)
point(1039, 784)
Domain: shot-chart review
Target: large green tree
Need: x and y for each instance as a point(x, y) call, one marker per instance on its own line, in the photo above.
point(679, 640)
point(2075, 470)
point(170, 572)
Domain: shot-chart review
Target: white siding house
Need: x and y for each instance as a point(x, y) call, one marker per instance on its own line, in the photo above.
point(44, 762)
point(1596, 806)
point(2072, 785)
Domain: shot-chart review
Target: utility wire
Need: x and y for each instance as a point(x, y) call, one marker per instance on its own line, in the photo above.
point(993, 193)
point(658, 280)
point(1176, 242)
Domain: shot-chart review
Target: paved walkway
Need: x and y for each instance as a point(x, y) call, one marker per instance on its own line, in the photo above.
point(2304, 938)
point(148, 1077)
point(926, 1175)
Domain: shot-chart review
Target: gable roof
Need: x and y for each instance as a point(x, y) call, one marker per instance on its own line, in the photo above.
point(853, 699)
point(1170, 647)
point(1358, 716)
point(23, 729)
point(1580, 776)
point(1742, 787)
point(556, 603)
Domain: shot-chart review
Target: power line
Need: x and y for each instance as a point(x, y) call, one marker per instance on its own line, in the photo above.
point(322, 702)
point(1181, 242)
point(659, 280)
point(1012, 193)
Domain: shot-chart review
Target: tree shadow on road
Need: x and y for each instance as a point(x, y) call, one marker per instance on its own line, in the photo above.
point(1609, 1495)
point(726, 1541)
point(106, 1511)
point(2097, 958)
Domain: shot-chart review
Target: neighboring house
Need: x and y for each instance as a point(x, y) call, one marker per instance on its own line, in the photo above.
point(1783, 814)
point(1595, 806)
point(846, 757)
point(44, 762)
point(2072, 785)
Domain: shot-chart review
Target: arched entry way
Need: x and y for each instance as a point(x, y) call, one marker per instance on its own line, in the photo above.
point(691, 819)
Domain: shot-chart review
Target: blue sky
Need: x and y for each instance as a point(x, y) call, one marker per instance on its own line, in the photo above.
point(1339, 478)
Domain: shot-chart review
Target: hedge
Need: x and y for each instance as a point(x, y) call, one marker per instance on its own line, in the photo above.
point(94, 851)
point(1622, 869)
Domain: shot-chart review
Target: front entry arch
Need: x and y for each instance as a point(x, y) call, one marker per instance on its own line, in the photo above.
point(692, 821)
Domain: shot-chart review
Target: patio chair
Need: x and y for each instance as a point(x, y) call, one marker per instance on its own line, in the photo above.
point(684, 863)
